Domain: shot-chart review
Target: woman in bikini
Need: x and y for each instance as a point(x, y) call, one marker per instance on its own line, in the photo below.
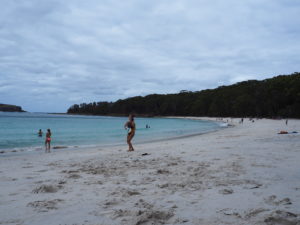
point(130, 125)
point(48, 140)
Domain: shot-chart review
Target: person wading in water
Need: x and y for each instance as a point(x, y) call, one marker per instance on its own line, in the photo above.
point(48, 140)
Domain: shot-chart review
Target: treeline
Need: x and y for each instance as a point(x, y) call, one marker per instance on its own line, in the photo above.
point(275, 97)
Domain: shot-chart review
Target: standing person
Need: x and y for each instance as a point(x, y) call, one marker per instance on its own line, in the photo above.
point(286, 122)
point(40, 133)
point(48, 140)
point(130, 125)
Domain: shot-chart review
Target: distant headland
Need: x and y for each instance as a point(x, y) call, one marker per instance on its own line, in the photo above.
point(10, 108)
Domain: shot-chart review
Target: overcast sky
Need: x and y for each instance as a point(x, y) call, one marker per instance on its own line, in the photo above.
point(56, 53)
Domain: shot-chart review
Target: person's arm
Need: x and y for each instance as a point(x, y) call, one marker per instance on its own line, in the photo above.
point(126, 125)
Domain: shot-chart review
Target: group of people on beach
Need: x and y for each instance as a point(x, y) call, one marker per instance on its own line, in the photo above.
point(47, 140)
point(129, 126)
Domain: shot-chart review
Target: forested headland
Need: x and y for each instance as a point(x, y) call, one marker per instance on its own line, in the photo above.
point(275, 97)
point(10, 108)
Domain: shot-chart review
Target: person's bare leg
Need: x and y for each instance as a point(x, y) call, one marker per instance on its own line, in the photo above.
point(47, 144)
point(130, 144)
point(130, 147)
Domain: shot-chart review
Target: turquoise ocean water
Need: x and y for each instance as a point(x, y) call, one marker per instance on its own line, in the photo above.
point(19, 130)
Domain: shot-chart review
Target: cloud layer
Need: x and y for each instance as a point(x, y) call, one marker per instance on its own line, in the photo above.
point(57, 53)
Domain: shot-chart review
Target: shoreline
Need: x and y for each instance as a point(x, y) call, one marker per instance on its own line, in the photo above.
point(25, 150)
point(40, 148)
point(247, 174)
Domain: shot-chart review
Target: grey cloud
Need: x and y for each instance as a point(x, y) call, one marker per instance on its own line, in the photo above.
point(57, 53)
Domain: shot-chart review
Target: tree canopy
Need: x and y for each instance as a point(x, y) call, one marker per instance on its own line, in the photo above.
point(275, 97)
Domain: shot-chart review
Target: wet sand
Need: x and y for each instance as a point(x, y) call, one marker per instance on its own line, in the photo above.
point(246, 174)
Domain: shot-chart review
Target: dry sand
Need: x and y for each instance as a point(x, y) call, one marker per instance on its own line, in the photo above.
point(246, 174)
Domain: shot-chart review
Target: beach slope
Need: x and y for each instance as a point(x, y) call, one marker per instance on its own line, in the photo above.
point(246, 174)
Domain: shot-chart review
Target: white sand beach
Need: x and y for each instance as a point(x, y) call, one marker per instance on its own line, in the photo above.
point(245, 174)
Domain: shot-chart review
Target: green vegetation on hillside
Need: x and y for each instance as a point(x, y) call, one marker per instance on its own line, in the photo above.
point(275, 97)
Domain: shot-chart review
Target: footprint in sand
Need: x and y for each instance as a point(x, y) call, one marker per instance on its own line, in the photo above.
point(279, 217)
point(44, 206)
point(74, 176)
point(229, 212)
point(110, 203)
point(226, 191)
point(143, 213)
point(254, 212)
point(272, 200)
point(47, 189)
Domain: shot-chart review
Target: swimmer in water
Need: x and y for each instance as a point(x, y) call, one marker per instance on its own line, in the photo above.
point(130, 125)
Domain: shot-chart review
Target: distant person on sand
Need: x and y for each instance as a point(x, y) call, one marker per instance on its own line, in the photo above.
point(130, 125)
point(286, 122)
point(48, 140)
point(40, 133)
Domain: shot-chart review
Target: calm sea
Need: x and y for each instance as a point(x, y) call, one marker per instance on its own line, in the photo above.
point(19, 130)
